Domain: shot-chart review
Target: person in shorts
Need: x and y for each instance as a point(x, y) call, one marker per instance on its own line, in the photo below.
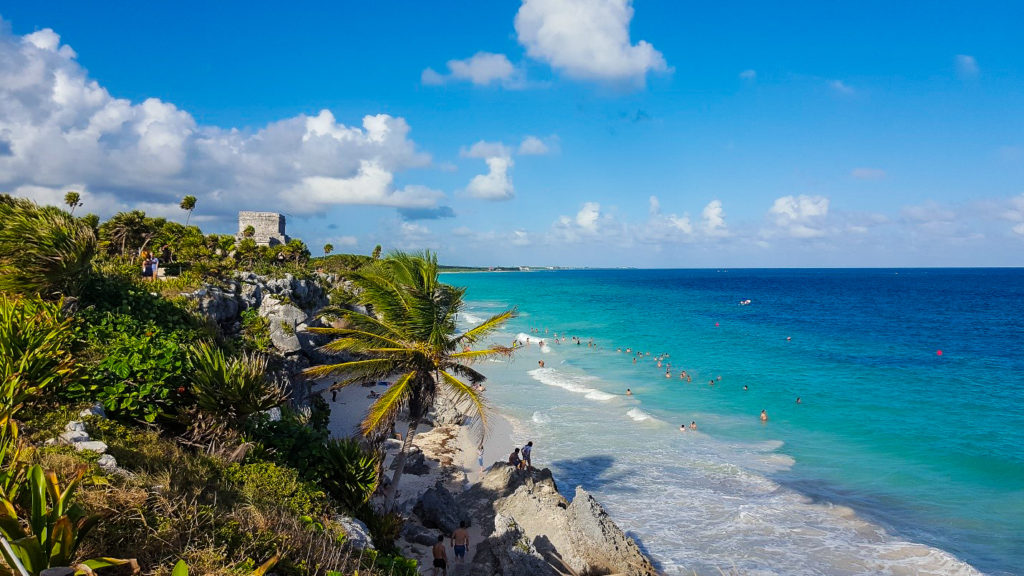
point(440, 557)
point(460, 542)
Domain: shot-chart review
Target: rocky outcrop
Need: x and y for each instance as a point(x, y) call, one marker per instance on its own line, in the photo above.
point(291, 305)
point(438, 509)
point(574, 537)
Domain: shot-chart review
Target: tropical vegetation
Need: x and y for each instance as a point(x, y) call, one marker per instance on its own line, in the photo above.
point(411, 336)
point(216, 472)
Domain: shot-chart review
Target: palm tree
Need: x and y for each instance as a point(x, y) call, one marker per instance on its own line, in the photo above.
point(411, 336)
point(188, 203)
point(328, 248)
point(72, 200)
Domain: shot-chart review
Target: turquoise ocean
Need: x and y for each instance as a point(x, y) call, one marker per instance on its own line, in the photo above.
point(898, 459)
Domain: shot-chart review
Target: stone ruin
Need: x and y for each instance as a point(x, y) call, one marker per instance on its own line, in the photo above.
point(269, 227)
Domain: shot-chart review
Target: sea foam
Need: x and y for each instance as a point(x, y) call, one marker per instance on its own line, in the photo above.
point(570, 382)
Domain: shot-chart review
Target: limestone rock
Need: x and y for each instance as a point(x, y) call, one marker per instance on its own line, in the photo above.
point(437, 508)
point(107, 463)
point(94, 410)
point(75, 426)
point(602, 546)
point(74, 436)
point(571, 538)
point(93, 445)
point(358, 535)
point(509, 552)
point(417, 534)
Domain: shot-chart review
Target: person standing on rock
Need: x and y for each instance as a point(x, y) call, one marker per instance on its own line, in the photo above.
point(527, 452)
point(440, 556)
point(460, 542)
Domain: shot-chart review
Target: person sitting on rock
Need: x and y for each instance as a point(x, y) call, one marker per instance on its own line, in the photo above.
point(514, 460)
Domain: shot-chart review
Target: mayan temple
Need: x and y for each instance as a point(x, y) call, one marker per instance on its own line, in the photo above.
point(269, 227)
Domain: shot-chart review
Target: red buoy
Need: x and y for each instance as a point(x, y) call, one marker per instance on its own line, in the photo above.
point(938, 353)
point(716, 324)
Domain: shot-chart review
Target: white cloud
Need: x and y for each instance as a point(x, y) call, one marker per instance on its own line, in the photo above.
point(60, 129)
point(496, 184)
point(348, 241)
point(586, 39)
point(867, 173)
point(714, 219)
point(484, 149)
point(750, 74)
point(588, 216)
point(481, 69)
point(840, 87)
point(1014, 212)
point(800, 216)
point(533, 146)
point(966, 66)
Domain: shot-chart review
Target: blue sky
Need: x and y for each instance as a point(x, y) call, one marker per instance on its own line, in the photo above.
point(557, 132)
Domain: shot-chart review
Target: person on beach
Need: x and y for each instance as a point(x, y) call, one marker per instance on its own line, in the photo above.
point(514, 460)
point(693, 425)
point(527, 452)
point(440, 556)
point(460, 542)
point(764, 416)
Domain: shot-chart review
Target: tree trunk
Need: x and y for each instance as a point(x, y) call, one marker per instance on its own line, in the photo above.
point(389, 494)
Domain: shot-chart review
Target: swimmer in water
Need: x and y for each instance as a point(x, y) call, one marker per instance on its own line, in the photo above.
point(764, 416)
point(629, 392)
point(797, 399)
point(693, 425)
point(745, 387)
point(682, 427)
point(668, 374)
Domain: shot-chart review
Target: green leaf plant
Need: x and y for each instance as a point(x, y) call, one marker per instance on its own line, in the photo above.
point(43, 528)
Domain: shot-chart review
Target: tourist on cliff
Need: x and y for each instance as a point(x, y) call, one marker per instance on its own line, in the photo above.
point(527, 451)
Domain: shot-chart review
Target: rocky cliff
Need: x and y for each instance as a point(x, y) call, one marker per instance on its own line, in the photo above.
point(531, 529)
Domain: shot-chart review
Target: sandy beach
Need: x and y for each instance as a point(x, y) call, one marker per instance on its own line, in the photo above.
point(452, 452)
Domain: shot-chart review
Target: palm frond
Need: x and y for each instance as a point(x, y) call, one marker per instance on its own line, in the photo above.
point(383, 412)
point(483, 353)
point(365, 369)
point(465, 394)
point(487, 327)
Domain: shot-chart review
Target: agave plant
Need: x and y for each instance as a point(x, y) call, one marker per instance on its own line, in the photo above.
point(352, 473)
point(50, 529)
point(43, 250)
point(232, 389)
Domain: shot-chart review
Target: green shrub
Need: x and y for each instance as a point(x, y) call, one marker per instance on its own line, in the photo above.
point(255, 331)
point(44, 251)
point(136, 368)
point(349, 473)
point(35, 353)
point(269, 485)
point(231, 389)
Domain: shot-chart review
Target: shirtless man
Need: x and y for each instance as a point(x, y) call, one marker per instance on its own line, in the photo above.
point(440, 557)
point(460, 542)
point(764, 416)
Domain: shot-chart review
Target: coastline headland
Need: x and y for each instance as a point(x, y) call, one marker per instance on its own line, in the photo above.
point(519, 523)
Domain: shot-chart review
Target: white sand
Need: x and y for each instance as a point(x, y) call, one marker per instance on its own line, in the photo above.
point(460, 444)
